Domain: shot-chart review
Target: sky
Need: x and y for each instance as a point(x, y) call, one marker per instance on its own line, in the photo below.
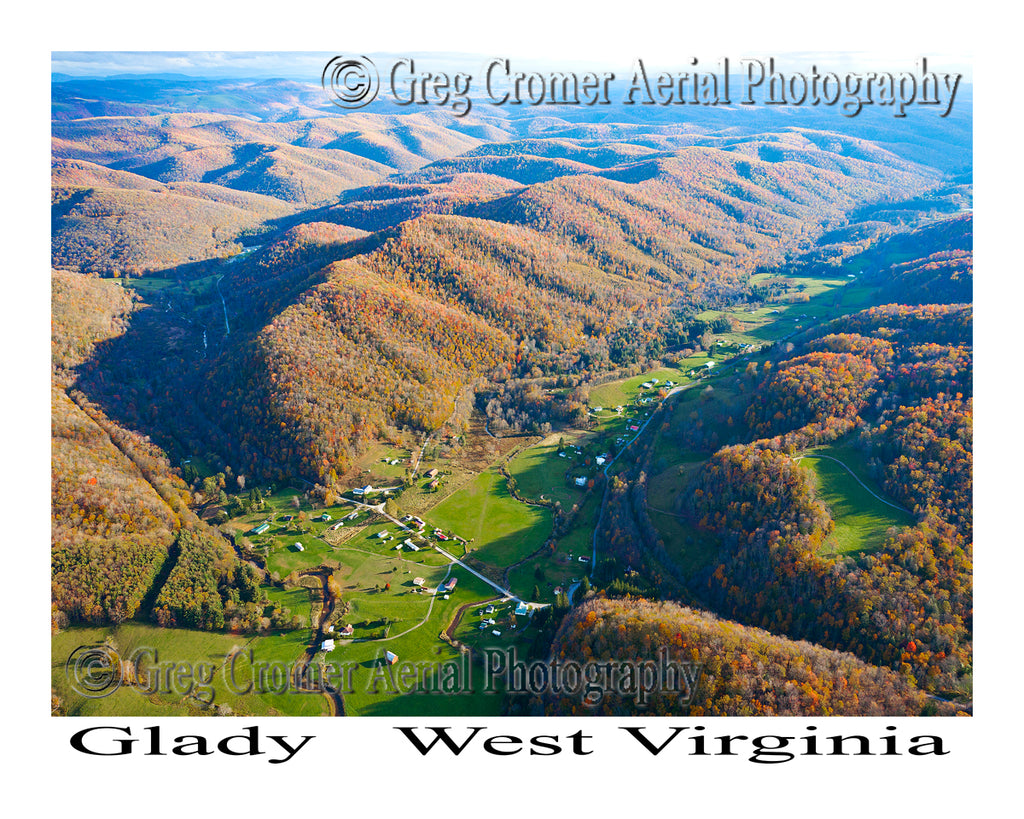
point(308, 66)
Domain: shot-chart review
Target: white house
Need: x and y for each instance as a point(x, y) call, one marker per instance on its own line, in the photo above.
point(327, 645)
point(581, 481)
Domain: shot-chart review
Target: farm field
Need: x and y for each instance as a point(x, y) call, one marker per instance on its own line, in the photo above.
point(862, 521)
point(189, 649)
point(540, 472)
point(500, 529)
point(374, 691)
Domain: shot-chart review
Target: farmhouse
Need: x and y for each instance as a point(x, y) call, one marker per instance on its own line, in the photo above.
point(418, 581)
point(363, 490)
point(347, 631)
point(449, 584)
point(522, 609)
point(600, 459)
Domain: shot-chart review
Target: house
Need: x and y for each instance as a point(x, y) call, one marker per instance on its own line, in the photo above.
point(600, 459)
point(327, 645)
point(710, 365)
point(347, 631)
point(489, 610)
point(598, 409)
point(581, 481)
point(431, 473)
point(522, 609)
point(259, 530)
point(418, 581)
point(299, 547)
point(363, 490)
point(449, 584)
point(325, 518)
point(287, 518)
point(433, 484)
point(390, 657)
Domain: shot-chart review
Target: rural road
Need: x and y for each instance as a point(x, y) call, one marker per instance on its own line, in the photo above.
point(224, 304)
point(475, 573)
point(627, 445)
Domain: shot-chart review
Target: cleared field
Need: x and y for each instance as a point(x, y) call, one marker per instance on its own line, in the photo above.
point(540, 472)
point(688, 546)
point(862, 522)
point(206, 654)
point(501, 530)
point(378, 691)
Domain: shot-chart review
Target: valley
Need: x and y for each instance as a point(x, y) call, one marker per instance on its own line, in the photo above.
point(373, 391)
